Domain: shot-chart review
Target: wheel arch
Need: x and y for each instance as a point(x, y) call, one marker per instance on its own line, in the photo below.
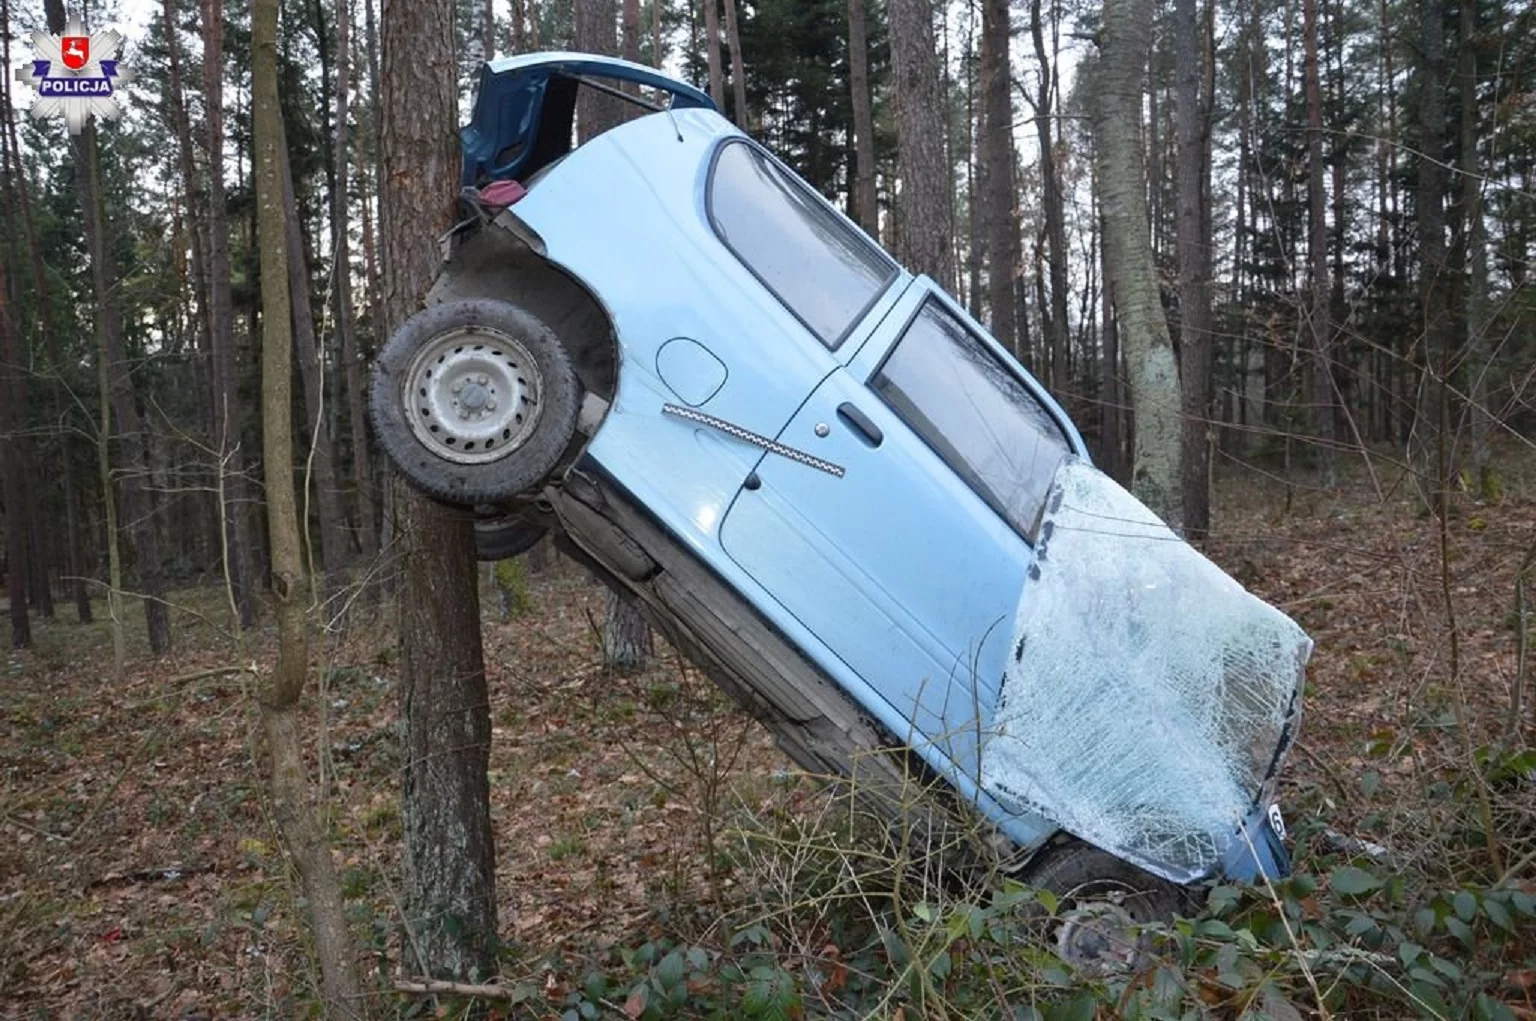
point(504, 261)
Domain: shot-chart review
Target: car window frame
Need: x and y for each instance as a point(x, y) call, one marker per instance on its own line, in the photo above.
point(893, 268)
point(934, 296)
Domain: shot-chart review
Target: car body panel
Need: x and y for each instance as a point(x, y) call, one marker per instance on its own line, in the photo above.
point(896, 582)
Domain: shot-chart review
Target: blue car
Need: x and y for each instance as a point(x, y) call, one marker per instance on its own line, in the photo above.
point(833, 490)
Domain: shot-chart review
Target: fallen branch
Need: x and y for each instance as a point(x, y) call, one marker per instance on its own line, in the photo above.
point(432, 987)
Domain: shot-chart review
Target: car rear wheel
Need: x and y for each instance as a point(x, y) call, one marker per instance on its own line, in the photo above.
point(474, 401)
point(501, 536)
point(1103, 901)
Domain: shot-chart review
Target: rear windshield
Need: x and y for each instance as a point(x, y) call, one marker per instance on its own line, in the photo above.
point(824, 271)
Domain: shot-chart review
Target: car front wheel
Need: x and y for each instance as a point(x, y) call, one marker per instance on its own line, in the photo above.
point(474, 401)
point(1103, 902)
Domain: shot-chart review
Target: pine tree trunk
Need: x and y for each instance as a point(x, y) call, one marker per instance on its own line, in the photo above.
point(712, 52)
point(631, 39)
point(334, 552)
point(346, 330)
point(1475, 304)
point(48, 333)
point(1321, 331)
point(135, 500)
point(278, 694)
point(12, 470)
point(1000, 230)
point(865, 197)
point(923, 205)
point(738, 70)
point(597, 32)
point(1055, 217)
point(226, 384)
point(1434, 302)
point(449, 857)
point(1152, 371)
point(1194, 275)
point(627, 643)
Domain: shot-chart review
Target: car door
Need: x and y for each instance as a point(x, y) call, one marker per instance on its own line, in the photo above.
point(909, 564)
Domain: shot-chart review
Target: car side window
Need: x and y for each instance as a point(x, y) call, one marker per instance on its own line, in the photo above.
point(975, 414)
point(825, 272)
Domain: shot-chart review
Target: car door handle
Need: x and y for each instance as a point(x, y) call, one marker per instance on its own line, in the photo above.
point(860, 423)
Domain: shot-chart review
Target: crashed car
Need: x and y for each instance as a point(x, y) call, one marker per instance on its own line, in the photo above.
point(832, 489)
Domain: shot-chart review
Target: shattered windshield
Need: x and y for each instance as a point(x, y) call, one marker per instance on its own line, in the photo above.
point(1148, 699)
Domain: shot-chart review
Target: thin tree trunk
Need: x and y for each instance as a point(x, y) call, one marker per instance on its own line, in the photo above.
point(865, 197)
point(738, 71)
point(1152, 371)
point(1317, 252)
point(226, 387)
point(278, 694)
point(136, 503)
point(998, 206)
point(48, 333)
point(334, 552)
point(519, 27)
point(450, 900)
point(1430, 215)
point(1475, 304)
point(346, 330)
point(712, 52)
point(1112, 445)
point(923, 205)
point(1194, 275)
point(1055, 315)
point(12, 469)
point(488, 31)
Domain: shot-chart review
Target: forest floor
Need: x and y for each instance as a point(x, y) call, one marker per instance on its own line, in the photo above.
point(140, 876)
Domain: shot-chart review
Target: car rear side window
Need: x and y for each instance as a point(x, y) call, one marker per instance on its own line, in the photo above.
point(824, 271)
point(975, 414)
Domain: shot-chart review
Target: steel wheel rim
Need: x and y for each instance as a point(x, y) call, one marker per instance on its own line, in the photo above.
point(1096, 938)
point(473, 395)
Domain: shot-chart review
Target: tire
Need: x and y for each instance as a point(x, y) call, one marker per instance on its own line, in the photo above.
point(1099, 898)
point(474, 401)
point(502, 538)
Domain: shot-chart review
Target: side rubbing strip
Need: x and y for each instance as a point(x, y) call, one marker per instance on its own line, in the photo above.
point(747, 436)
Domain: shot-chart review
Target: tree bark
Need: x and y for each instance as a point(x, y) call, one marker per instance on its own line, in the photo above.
point(597, 32)
point(738, 70)
point(1194, 275)
point(712, 52)
point(449, 857)
point(627, 643)
point(865, 198)
point(346, 331)
point(1434, 304)
point(135, 500)
point(334, 552)
point(1152, 371)
point(12, 472)
point(230, 469)
point(1320, 328)
point(278, 694)
point(1475, 237)
point(1055, 217)
point(631, 38)
point(923, 205)
point(48, 334)
point(1000, 231)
